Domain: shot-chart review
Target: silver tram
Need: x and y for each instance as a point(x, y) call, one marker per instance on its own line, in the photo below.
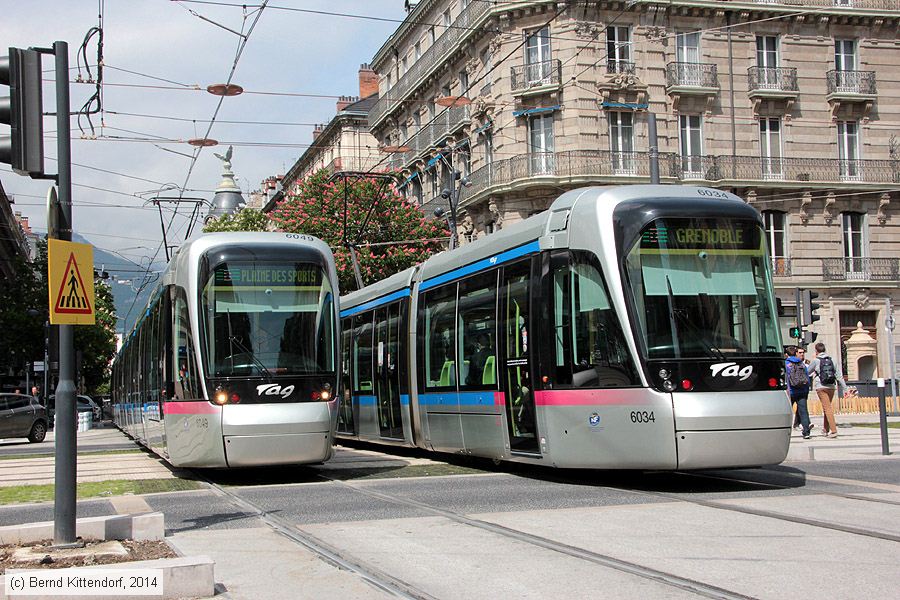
point(233, 363)
point(624, 328)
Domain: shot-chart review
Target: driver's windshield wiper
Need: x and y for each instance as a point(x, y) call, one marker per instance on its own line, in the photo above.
point(675, 314)
point(234, 341)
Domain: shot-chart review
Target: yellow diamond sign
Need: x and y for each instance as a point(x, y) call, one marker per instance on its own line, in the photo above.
point(70, 269)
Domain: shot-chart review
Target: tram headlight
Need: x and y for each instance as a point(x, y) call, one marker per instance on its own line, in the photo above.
point(220, 397)
point(664, 374)
point(325, 394)
point(668, 385)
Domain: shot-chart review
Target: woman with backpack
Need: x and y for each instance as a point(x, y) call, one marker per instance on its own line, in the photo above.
point(826, 373)
point(798, 387)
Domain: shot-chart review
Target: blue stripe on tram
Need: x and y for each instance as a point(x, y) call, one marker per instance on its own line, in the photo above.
point(481, 265)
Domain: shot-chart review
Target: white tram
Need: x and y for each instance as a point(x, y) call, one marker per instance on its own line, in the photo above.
point(233, 362)
point(624, 328)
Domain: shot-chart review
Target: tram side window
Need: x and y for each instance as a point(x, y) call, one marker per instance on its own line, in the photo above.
point(439, 337)
point(187, 384)
point(477, 332)
point(362, 353)
point(589, 346)
point(346, 340)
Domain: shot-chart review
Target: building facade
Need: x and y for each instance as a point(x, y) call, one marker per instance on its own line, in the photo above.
point(343, 144)
point(794, 106)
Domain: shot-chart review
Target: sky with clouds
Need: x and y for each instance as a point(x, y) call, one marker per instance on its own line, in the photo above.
point(287, 52)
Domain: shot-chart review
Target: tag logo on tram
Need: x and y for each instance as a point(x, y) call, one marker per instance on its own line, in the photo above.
point(731, 369)
point(273, 389)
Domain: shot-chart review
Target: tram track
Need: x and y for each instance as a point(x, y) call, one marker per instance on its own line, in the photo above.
point(683, 583)
point(334, 556)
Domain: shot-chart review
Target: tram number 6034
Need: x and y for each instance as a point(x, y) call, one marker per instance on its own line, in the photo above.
point(642, 416)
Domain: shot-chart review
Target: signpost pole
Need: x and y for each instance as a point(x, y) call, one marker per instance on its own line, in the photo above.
point(65, 473)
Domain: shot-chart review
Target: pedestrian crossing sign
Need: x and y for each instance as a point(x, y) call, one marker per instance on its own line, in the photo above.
point(70, 281)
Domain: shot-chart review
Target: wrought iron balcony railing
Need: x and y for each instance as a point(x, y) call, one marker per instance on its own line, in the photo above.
point(447, 122)
point(614, 66)
point(778, 79)
point(851, 82)
point(699, 75)
point(433, 56)
point(861, 4)
point(860, 269)
point(781, 266)
point(525, 77)
point(818, 170)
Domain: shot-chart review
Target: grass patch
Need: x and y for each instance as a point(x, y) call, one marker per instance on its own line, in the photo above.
point(87, 453)
point(20, 494)
point(891, 425)
point(391, 472)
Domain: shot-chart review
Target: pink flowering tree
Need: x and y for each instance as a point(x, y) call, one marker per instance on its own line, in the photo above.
point(397, 235)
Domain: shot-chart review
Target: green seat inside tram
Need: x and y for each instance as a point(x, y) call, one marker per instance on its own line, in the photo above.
point(489, 376)
point(447, 374)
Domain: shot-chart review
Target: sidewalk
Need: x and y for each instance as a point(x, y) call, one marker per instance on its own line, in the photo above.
point(852, 443)
point(103, 438)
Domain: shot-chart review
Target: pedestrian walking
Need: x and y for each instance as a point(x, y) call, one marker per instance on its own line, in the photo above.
point(826, 375)
point(798, 387)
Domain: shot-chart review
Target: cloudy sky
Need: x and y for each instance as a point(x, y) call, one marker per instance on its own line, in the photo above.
point(155, 52)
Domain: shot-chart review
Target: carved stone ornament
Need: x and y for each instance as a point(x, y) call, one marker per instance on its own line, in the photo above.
point(468, 225)
point(479, 107)
point(751, 197)
point(656, 33)
point(883, 203)
point(829, 204)
point(587, 30)
point(495, 44)
point(472, 66)
point(623, 81)
point(496, 213)
point(860, 297)
point(805, 203)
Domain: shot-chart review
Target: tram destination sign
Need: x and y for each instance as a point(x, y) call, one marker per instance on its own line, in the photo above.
point(257, 275)
point(701, 234)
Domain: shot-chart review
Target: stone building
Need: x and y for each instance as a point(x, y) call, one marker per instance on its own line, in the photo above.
point(343, 144)
point(794, 106)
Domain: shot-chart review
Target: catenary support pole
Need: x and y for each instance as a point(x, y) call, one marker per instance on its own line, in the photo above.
point(882, 418)
point(892, 353)
point(65, 472)
point(654, 148)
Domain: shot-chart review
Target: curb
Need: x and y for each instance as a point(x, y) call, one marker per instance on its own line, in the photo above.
point(183, 577)
point(138, 527)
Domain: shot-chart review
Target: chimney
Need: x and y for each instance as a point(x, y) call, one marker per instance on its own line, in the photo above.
point(345, 101)
point(317, 131)
point(368, 81)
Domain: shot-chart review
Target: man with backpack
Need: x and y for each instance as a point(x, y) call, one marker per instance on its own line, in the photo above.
point(826, 373)
point(798, 387)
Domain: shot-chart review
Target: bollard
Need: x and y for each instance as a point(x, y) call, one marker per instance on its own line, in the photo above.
point(882, 417)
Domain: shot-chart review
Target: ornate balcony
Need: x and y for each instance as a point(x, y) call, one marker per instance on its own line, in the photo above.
point(614, 67)
point(773, 82)
point(535, 78)
point(800, 170)
point(860, 269)
point(692, 78)
point(447, 122)
point(432, 58)
point(851, 85)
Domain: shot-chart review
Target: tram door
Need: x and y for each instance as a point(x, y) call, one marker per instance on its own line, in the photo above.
point(516, 352)
point(387, 370)
point(346, 422)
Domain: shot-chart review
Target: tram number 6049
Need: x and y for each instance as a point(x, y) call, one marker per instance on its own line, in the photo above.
point(642, 416)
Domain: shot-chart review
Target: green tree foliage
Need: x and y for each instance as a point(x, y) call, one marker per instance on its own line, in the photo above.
point(396, 237)
point(22, 340)
point(246, 219)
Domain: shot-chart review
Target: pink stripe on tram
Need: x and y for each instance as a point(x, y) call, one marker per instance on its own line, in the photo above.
point(499, 399)
point(190, 408)
point(582, 397)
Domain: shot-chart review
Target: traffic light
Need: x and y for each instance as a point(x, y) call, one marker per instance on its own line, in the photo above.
point(809, 337)
point(23, 111)
point(796, 332)
point(809, 308)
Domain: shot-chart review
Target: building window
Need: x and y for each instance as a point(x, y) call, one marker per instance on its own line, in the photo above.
point(463, 82)
point(691, 146)
point(404, 133)
point(488, 142)
point(621, 142)
point(854, 238)
point(431, 35)
point(435, 180)
point(387, 81)
point(848, 150)
point(767, 61)
point(465, 159)
point(845, 55)
point(417, 119)
point(770, 148)
point(537, 56)
point(416, 185)
point(418, 51)
point(540, 144)
point(776, 239)
point(446, 18)
point(487, 70)
point(404, 66)
point(687, 47)
point(618, 50)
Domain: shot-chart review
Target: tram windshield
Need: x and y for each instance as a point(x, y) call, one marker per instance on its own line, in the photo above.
point(268, 319)
point(701, 288)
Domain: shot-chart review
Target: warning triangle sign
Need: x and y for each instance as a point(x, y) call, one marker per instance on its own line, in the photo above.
point(72, 298)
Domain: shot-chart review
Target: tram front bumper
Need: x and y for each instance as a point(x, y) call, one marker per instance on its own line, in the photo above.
point(277, 449)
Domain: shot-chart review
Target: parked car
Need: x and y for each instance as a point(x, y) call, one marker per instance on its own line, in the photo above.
point(82, 404)
point(22, 416)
